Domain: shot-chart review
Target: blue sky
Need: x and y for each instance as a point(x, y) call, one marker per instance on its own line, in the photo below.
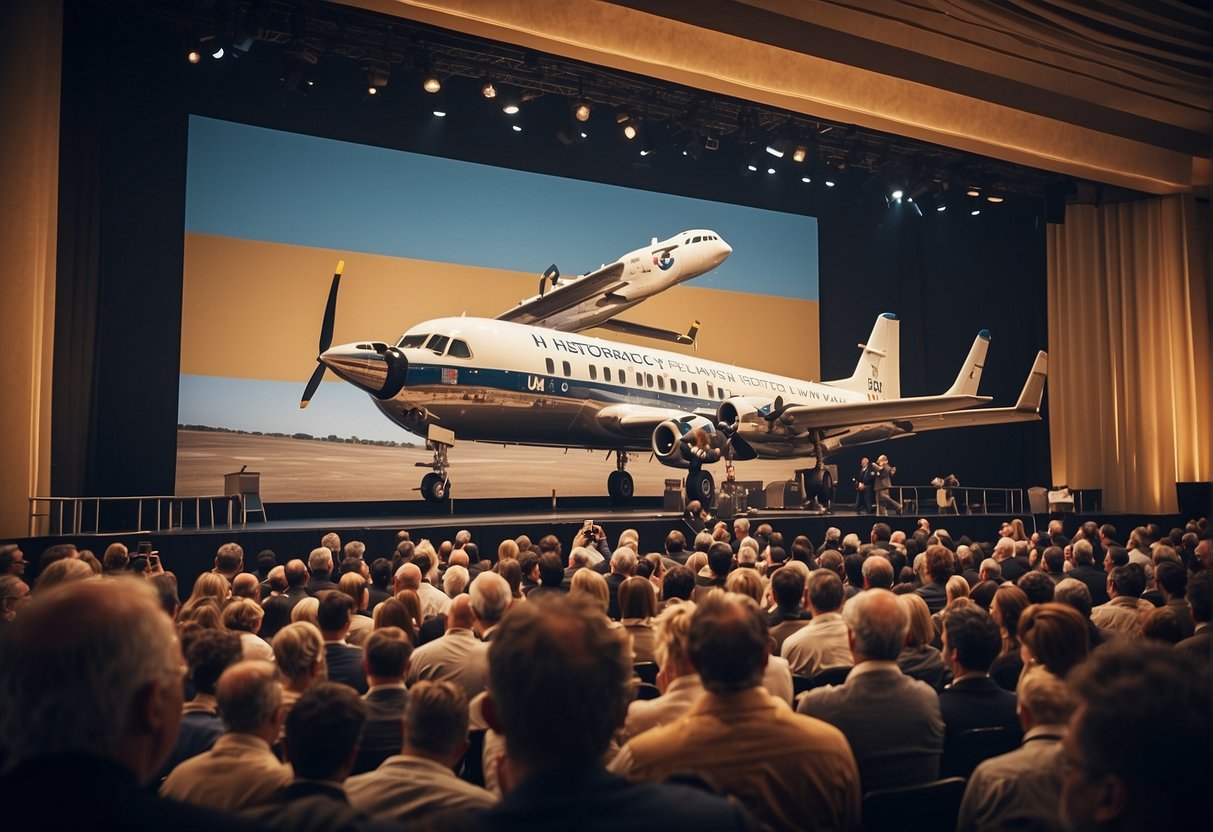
point(256, 184)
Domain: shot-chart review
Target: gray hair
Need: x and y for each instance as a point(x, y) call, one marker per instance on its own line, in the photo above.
point(991, 567)
point(623, 560)
point(297, 646)
point(248, 694)
point(1004, 548)
point(76, 661)
point(320, 560)
point(878, 623)
point(436, 717)
point(1074, 593)
point(491, 596)
point(455, 580)
point(1083, 551)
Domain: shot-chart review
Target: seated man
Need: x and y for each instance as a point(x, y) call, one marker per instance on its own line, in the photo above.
point(1021, 789)
point(823, 644)
point(321, 743)
point(344, 660)
point(240, 770)
point(458, 656)
point(780, 765)
point(210, 652)
point(421, 781)
point(386, 659)
point(568, 658)
point(892, 722)
point(1160, 780)
point(90, 678)
point(973, 700)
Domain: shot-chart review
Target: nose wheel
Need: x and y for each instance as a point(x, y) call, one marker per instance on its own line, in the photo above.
point(435, 488)
point(620, 486)
point(436, 485)
point(701, 487)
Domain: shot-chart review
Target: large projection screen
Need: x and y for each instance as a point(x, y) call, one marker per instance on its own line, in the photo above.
point(268, 215)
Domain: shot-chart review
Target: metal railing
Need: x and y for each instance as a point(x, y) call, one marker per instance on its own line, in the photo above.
point(969, 499)
point(88, 515)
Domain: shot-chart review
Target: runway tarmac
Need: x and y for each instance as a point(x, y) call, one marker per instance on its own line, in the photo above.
point(299, 470)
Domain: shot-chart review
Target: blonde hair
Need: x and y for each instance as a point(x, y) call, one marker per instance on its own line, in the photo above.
point(697, 561)
point(63, 571)
point(297, 647)
point(210, 585)
point(589, 586)
point(746, 582)
point(956, 587)
point(672, 634)
point(353, 585)
point(507, 550)
point(922, 631)
point(243, 614)
point(308, 610)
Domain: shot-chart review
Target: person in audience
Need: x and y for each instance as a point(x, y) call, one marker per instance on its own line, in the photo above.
point(320, 569)
point(919, 659)
point(1038, 586)
point(823, 644)
point(62, 571)
point(209, 653)
point(419, 782)
point(111, 640)
point(1074, 593)
point(677, 586)
point(892, 722)
point(386, 659)
point(1053, 636)
point(243, 616)
point(990, 571)
point(229, 561)
point(355, 586)
point(1006, 609)
point(300, 655)
point(246, 585)
point(677, 678)
point(1119, 616)
point(278, 607)
point(789, 614)
point(637, 606)
point(747, 582)
point(395, 613)
point(806, 771)
point(240, 770)
point(1172, 582)
point(344, 660)
point(1161, 624)
point(14, 595)
point(551, 577)
point(623, 566)
point(1013, 567)
point(1021, 789)
point(308, 609)
point(490, 597)
point(1159, 780)
point(1200, 641)
point(1086, 571)
point(937, 568)
point(321, 743)
point(457, 657)
point(571, 660)
point(592, 590)
point(877, 570)
point(973, 700)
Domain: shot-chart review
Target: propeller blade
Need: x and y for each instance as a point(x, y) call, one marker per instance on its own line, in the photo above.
point(742, 450)
point(776, 410)
point(330, 310)
point(312, 384)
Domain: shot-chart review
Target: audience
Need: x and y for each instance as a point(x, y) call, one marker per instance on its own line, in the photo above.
point(269, 737)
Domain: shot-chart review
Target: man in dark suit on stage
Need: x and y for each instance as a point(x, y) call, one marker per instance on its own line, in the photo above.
point(863, 486)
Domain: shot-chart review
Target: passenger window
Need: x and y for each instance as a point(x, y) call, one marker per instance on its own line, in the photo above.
point(660, 383)
point(684, 387)
point(551, 366)
point(623, 377)
point(438, 344)
point(593, 373)
point(711, 391)
point(648, 379)
point(694, 388)
point(568, 371)
point(606, 373)
point(459, 349)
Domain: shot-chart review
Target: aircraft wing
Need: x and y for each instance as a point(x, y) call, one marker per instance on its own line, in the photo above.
point(805, 417)
point(566, 295)
point(637, 419)
point(1026, 409)
point(656, 333)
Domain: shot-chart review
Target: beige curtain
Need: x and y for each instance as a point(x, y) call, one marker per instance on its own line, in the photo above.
point(1129, 369)
point(30, 46)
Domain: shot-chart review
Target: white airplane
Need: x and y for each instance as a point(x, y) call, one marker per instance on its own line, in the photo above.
point(595, 298)
point(507, 383)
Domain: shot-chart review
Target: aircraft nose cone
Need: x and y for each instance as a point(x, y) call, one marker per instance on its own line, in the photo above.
point(360, 365)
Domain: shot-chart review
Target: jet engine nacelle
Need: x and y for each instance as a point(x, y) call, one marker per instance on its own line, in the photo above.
point(739, 410)
point(669, 436)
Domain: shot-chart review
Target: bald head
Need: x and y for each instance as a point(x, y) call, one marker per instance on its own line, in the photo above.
point(408, 576)
point(246, 585)
point(877, 623)
point(249, 697)
point(460, 613)
point(295, 572)
point(458, 558)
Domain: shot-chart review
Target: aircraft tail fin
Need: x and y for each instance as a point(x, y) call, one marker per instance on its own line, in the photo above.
point(878, 373)
point(969, 377)
point(1034, 388)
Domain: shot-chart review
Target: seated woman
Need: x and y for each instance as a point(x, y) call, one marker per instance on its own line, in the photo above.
point(637, 606)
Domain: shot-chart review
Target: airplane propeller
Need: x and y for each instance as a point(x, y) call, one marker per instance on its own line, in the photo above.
point(735, 446)
point(326, 337)
point(777, 411)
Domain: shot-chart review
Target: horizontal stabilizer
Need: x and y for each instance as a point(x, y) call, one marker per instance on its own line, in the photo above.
point(1026, 409)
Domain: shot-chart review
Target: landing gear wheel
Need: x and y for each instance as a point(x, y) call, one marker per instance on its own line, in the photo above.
point(620, 487)
point(701, 487)
point(819, 488)
point(435, 488)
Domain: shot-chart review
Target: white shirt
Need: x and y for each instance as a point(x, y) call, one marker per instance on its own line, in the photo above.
point(820, 645)
point(678, 698)
point(433, 601)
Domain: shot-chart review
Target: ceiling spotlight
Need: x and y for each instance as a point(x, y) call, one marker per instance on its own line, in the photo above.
point(774, 151)
point(517, 128)
point(800, 154)
point(975, 212)
point(193, 56)
point(581, 111)
point(431, 83)
point(771, 171)
point(218, 53)
point(487, 89)
point(941, 207)
point(440, 113)
point(829, 183)
point(973, 191)
point(377, 78)
point(510, 109)
point(805, 179)
point(897, 194)
point(995, 199)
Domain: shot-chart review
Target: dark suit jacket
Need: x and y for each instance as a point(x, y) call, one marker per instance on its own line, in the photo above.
point(377, 596)
point(1095, 579)
point(1014, 568)
point(309, 806)
point(892, 722)
point(613, 581)
point(318, 585)
point(935, 595)
point(345, 665)
point(431, 630)
point(975, 702)
point(383, 734)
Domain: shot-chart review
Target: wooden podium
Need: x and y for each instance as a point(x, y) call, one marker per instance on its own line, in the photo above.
point(245, 486)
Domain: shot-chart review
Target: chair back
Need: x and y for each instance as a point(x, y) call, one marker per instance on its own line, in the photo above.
point(968, 748)
point(929, 807)
point(647, 671)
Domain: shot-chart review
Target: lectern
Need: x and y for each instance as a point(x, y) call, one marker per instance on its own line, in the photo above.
point(245, 486)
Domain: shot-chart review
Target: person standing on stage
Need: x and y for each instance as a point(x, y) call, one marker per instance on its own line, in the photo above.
point(882, 482)
point(863, 487)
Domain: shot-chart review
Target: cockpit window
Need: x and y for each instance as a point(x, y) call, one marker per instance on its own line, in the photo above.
point(412, 341)
point(697, 239)
point(459, 349)
point(437, 343)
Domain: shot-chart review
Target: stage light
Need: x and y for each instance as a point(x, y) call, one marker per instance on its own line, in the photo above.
point(711, 142)
point(897, 194)
point(517, 128)
point(916, 207)
point(193, 56)
point(581, 112)
point(629, 131)
point(510, 109)
point(973, 191)
point(941, 207)
point(487, 89)
point(431, 83)
point(829, 183)
point(975, 212)
point(649, 147)
point(218, 53)
point(995, 199)
point(805, 179)
point(774, 151)
point(377, 78)
point(440, 113)
point(800, 154)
